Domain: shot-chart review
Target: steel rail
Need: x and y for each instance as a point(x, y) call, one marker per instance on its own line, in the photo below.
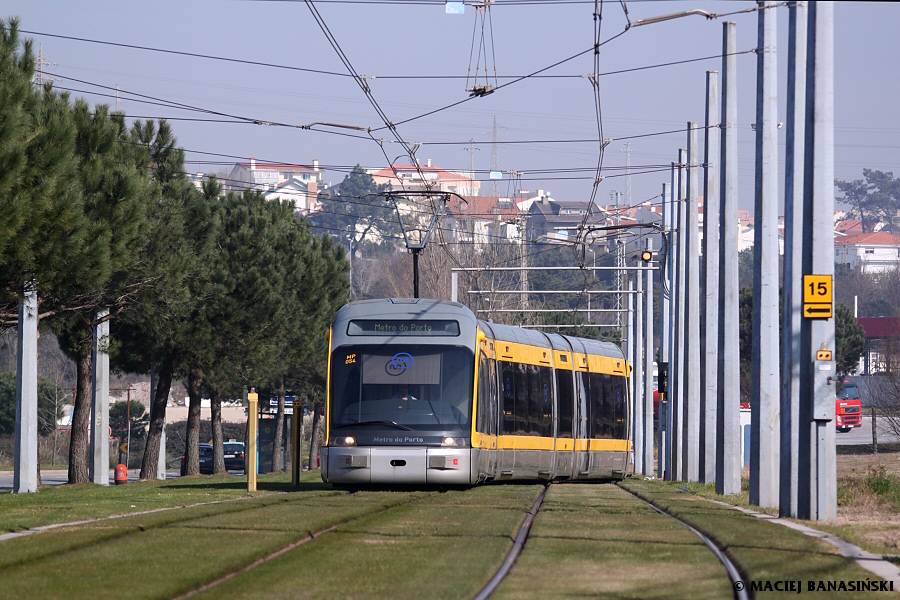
point(516, 549)
point(737, 580)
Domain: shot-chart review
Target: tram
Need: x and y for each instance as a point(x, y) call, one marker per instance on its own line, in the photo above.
point(420, 392)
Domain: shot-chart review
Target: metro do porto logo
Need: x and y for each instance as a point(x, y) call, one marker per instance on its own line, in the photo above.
point(399, 363)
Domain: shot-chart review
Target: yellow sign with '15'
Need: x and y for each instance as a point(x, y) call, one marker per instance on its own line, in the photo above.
point(817, 296)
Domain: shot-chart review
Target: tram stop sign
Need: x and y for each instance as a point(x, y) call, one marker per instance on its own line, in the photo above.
point(817, 296)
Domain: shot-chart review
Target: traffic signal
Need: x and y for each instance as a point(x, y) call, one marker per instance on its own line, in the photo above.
point(646, 256)
point(662, 378)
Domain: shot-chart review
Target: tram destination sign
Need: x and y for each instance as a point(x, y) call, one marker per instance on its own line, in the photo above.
point(404, 327)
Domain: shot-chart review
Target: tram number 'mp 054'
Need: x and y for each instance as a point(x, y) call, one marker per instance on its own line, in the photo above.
point(351, 359)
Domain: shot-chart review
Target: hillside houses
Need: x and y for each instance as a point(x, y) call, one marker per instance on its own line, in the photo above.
point(297, 184)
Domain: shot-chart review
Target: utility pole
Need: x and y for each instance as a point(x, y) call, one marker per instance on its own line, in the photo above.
point(664, 335)
point(709, 300)
point(521, 222)
point(638, 373)
point(818, 478)
point(691, 437)
point(728, 425)
point(495, 158)
point(25, 475)
point(627, 150)
point(648, 366)
point(792, 284)
point(765, 428)
point(620, 262)
point(99, 471)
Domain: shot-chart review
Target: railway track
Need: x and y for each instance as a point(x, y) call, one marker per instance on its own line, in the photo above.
point(735, 578)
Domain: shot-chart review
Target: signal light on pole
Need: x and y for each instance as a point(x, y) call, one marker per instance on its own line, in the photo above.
point(646, 256)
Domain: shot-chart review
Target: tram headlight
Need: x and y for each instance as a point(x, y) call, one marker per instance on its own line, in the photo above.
point(454, 442)
point(348, 440)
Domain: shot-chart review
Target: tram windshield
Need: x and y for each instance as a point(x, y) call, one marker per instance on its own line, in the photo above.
point(405, 386)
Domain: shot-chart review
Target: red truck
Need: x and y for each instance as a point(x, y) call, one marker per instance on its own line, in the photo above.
point(848, 407)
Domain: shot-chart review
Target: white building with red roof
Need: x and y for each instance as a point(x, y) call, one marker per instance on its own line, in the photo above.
point(297, 184)
point(408, 177)
point(869, 252)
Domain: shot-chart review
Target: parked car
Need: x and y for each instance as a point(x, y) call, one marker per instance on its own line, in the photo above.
point(234, 456)
point(206, 460)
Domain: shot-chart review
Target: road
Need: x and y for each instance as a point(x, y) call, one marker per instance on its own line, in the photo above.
point(58, 477)
point(863, 434)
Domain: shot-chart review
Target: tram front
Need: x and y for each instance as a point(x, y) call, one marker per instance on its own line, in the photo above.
point(400, 394)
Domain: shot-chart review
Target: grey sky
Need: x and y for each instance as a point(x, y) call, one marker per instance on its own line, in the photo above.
point(384, 40)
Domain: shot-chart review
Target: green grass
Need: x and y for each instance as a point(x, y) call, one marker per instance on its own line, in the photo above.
point(591, 540)
point(66, 503)
point(444, 546)
point(588, 540)
point(761, 550)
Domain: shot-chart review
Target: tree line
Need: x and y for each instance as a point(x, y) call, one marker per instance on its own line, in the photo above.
point(102, 221)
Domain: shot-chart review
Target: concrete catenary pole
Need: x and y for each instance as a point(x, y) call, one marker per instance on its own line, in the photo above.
point(765, 427)
point(728, 425)
point(99, 470)
point(709, 299)
point(691, 438)
point(818, 479)
point(629, 356)
point(664, 337)
point(25, 475)
point(638, 374)
point(792, 284)
point(649, 357)
point(679, 456)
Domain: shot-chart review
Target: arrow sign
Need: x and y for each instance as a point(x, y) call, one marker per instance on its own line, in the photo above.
point(817, 311)
point(123, 448)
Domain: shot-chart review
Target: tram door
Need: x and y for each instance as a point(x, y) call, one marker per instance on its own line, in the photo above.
point(582, 425)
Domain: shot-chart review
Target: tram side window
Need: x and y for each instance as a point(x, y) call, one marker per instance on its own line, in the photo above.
point(546, 377)
point(619, 395)
point(484, 395)
point(565, 402)
point(522, 412)
point(609, 405)
point(597, 411)
point(507, 398)
point(584, 406)
point(535, 407)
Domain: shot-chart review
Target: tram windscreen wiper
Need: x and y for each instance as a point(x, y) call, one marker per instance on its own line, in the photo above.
point(382, 422)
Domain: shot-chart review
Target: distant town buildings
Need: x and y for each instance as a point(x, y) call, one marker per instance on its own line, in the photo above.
point(297, 184)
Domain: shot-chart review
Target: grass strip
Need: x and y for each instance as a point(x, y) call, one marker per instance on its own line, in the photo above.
point(761, 550)
point(166, 554)
point(445, 546)
point(69, 503)
point(596, 540)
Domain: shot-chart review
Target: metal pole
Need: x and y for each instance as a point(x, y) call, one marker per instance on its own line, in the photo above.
point(99, 470)
point(677, 407)
point(728, 425)
point(252, 446)
point(629, 343)
point(638, 401)
point(818, 479)
point(665, 301)
point(25, 478)
point(709, 300)
point(674, 283)
point(649, 357)
point(415, 253)
point(691, 438)
point(792, 284)
point(128, 416)
point(765, 427)
point(454, 286)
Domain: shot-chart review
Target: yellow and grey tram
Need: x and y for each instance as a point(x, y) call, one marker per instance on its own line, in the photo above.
point(420, 392)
